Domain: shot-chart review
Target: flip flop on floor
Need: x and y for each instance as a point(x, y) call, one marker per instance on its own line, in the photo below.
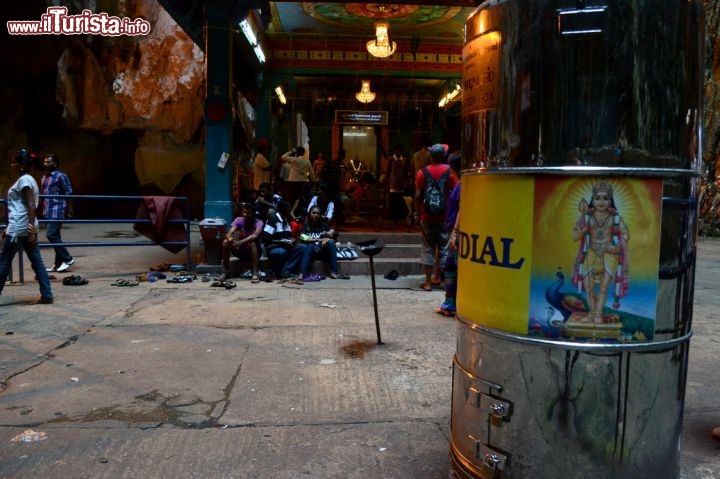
point(74, 280)
point(180, 279)
point(229, 285)
point(339, 276)
point(124, 282)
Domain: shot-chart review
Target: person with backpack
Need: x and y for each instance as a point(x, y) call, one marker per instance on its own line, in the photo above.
point(433, 185)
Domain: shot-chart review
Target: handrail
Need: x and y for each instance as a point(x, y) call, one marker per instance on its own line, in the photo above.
point(45, 244)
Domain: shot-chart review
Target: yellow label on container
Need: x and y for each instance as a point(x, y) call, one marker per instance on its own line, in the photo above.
point(552, 256)
point(494, 254)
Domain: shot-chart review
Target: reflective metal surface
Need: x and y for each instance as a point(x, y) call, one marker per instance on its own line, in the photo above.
point(575, 414)
point(613, 89)
point(626, 93)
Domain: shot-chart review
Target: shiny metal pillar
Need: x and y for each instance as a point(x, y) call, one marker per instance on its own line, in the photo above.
point(562, 102)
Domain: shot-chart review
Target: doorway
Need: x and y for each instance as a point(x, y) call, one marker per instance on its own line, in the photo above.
point(360, 144)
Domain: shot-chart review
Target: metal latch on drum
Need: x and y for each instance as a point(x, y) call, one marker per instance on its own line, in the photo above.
point(492, 462)
point(498, 410)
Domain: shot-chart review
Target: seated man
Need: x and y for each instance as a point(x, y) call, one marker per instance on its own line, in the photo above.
point(243, 241)
point(263, 205)
point(319, 238)
point(283, 251)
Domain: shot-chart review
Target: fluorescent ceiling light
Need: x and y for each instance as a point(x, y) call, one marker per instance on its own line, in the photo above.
point(448, 98)
point(252, 40)
point(281, 95)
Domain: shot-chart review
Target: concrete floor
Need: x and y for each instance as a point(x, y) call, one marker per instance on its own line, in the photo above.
point(260, 381)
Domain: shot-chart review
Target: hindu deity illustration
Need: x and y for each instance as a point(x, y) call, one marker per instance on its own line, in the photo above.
point(601, 265)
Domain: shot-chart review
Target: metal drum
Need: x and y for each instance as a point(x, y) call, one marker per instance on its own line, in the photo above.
point(576, 262)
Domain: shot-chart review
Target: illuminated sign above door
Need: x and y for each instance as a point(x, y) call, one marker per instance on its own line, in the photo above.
point(361, 117)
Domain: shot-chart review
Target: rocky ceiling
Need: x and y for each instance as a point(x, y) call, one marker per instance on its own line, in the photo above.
point(317, 50)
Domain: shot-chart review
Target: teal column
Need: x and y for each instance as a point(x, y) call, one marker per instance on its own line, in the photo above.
point(218, 113)
point(262, 112)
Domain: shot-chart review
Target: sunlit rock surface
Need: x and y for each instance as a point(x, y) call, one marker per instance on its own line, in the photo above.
point(142, 82)
point(114, 109)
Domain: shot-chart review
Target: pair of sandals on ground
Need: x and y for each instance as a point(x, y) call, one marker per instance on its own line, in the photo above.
point(312, 277)
point(223, 282)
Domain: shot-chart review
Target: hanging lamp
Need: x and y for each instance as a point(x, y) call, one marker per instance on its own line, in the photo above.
point(381, 47)
point(365, 95)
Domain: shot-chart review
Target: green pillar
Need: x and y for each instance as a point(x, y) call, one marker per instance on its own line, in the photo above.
point(218, 112)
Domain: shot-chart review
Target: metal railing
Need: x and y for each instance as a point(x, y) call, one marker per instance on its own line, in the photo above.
point(185, 221)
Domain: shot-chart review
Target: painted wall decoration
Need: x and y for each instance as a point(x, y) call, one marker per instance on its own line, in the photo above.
point(561, 257)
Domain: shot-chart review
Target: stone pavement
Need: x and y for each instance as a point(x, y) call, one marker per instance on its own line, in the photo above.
point(260, 381)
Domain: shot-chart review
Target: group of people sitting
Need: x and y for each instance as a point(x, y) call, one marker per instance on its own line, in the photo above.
point(270, 228)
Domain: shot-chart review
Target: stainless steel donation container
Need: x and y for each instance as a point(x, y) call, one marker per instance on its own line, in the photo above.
point(576, 259)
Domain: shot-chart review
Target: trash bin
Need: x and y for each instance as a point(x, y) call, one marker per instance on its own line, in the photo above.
point(576, 258)
point(212, 232)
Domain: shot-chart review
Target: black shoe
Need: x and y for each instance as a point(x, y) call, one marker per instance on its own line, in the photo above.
point(392, 275)
point(44, 301)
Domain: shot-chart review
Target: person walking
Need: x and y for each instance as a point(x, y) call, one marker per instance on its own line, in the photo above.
point(55, 182)
point(433, 185)
point(452, 224)
point(22, 227)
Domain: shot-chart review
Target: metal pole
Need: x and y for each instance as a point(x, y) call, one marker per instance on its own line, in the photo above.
point(372, 279)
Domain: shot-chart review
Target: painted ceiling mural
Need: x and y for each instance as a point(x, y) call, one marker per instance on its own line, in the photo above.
point(366, 14)
point(434, 23)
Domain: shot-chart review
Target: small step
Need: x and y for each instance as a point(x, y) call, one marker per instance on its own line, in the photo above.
point(382, 266)
point(387, 238)
point(361, 266)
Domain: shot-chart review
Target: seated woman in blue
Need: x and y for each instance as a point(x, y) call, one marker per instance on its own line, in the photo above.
point(283, 251)
point(319, 238)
